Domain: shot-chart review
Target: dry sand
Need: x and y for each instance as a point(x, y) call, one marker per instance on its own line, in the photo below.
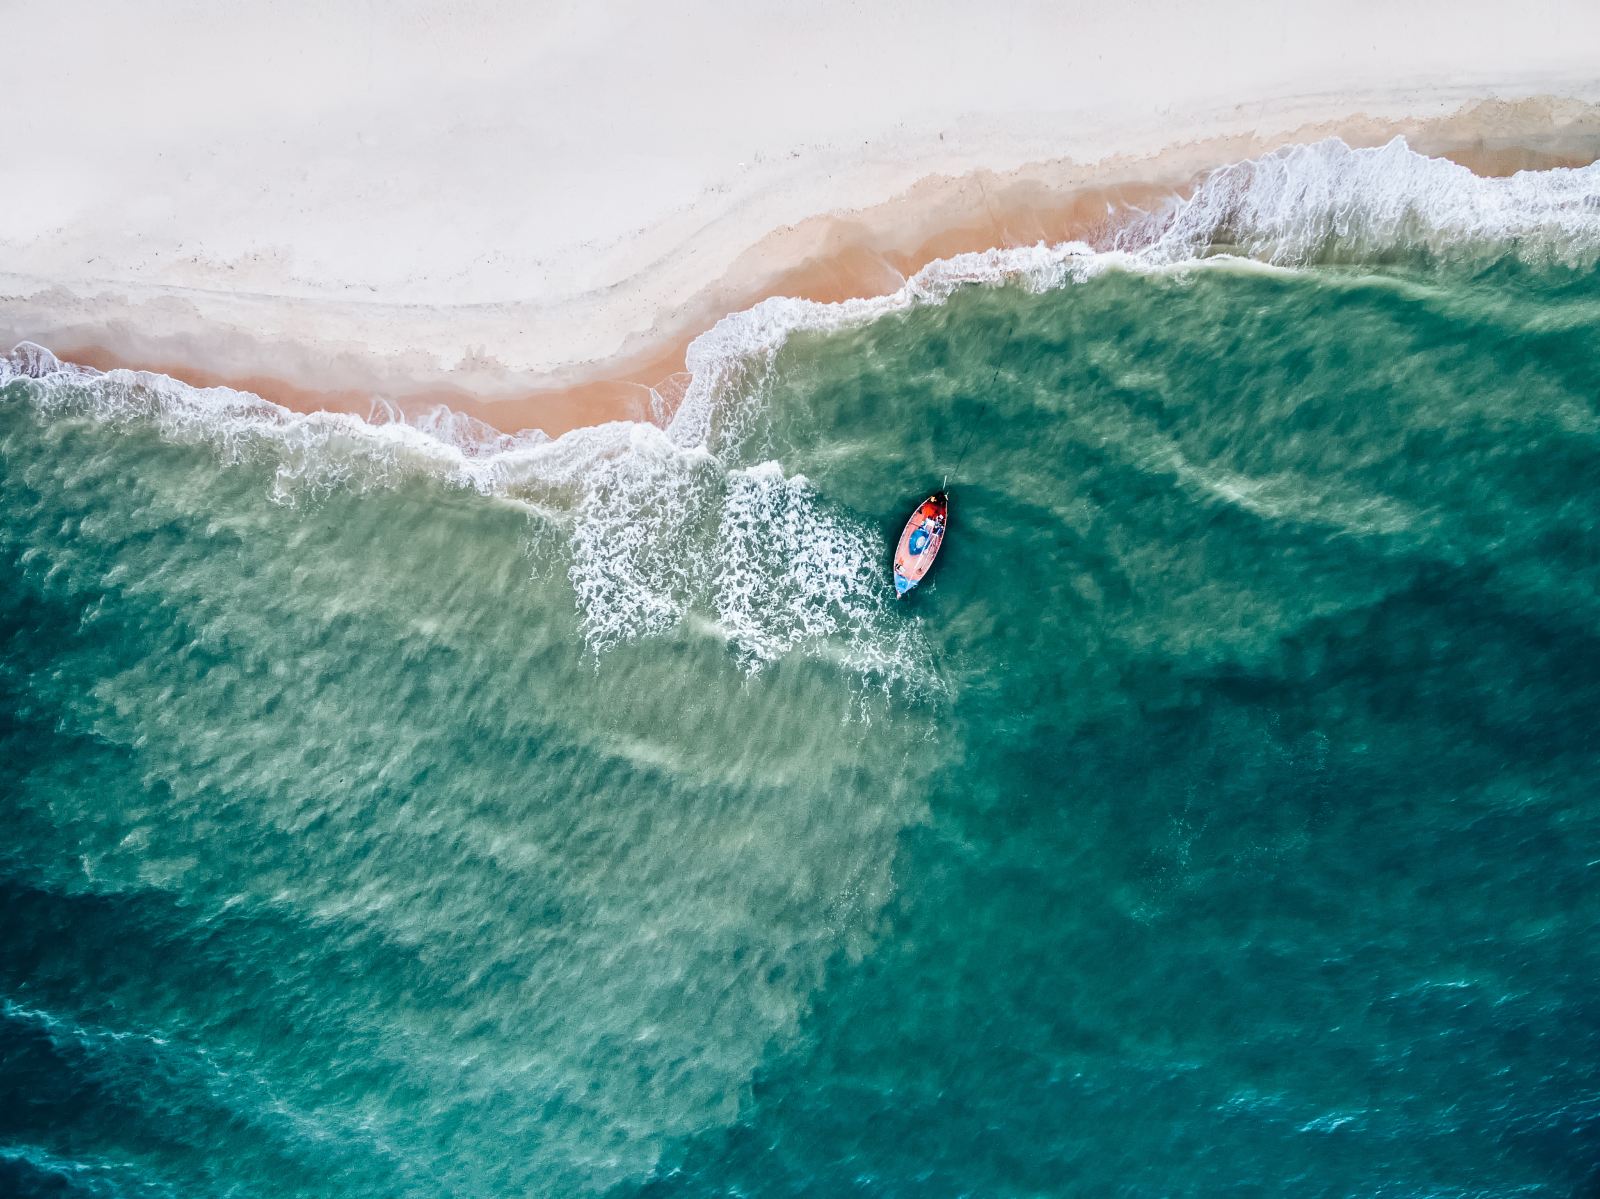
point(527, 214)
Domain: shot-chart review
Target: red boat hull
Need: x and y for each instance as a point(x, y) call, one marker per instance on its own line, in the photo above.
point(920, 542)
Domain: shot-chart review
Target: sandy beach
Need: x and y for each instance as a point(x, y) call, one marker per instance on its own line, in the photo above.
point(470, 207)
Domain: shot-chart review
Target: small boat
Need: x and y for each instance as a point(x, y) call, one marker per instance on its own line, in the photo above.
point(919, 544)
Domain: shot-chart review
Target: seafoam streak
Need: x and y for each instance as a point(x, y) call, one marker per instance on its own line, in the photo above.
point(664, 522)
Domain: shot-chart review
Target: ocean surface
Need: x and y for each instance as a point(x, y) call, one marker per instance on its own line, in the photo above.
point(411, 810)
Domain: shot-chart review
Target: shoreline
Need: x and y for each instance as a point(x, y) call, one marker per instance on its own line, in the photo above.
point(315, 354)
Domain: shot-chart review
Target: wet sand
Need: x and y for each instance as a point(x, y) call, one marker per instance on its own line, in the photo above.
point(832, 258)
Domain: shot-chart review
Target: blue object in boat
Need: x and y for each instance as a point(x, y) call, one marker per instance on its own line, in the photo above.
point(919, 544)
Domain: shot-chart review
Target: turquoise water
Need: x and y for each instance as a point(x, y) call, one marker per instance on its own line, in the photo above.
point(395, 816)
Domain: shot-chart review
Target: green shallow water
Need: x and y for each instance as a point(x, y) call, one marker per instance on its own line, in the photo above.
point(1221, 819)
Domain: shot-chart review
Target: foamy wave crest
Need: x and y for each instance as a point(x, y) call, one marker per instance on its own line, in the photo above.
point(662, 522)
point(1293, 207)
point(1303, 204)
point(312, 453)
point(807, 577)
point(661, 535)
point(655, 529)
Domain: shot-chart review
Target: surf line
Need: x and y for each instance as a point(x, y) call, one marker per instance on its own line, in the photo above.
point(923, 535)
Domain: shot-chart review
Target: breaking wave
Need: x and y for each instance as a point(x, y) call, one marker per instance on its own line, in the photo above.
point(661, 521)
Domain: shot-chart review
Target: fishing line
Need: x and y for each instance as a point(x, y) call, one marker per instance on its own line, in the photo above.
point(983, 406)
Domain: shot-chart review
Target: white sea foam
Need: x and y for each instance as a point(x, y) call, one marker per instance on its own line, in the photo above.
point(663, 522)
point(1306, 202)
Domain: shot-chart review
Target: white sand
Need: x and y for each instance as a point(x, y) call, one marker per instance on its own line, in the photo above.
point(408, 194)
